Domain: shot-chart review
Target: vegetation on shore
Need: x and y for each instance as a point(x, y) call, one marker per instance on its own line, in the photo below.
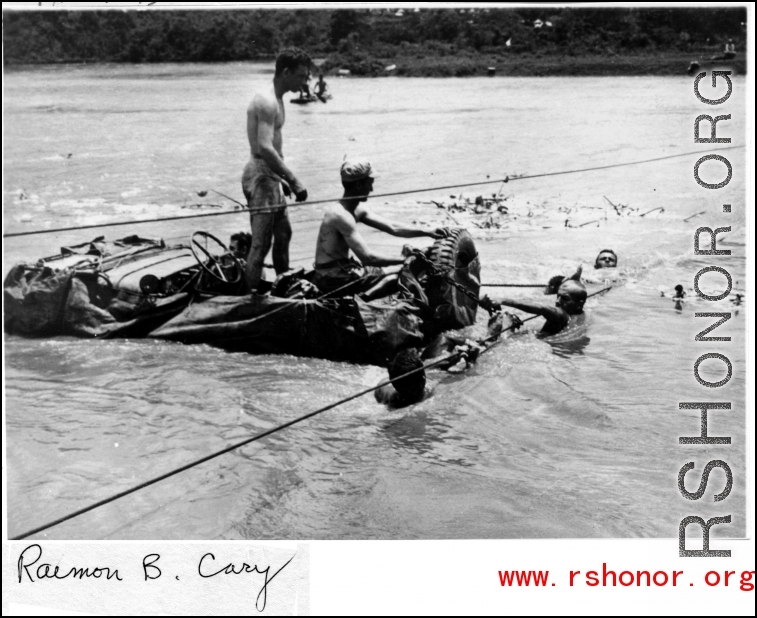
point(427, 42)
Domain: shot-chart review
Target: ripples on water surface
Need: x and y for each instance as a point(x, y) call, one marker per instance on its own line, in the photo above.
point(577, 437)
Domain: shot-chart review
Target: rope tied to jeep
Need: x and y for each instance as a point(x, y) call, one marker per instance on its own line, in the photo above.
point(456, 355)
point(437, 272)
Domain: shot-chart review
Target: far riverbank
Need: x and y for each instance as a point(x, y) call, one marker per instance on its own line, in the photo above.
point(477, 65)
point(523, 65)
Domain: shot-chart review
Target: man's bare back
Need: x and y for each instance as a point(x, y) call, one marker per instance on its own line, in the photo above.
point(338, 235)
point(337, 226)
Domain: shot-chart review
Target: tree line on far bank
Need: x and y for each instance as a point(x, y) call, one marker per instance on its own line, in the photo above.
point(362, 38)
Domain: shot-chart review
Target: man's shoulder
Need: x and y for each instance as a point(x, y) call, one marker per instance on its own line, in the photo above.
point(336, 212)
point(361, 212)
point(263, 102)
point(332, 218)
point(560, 316)
point(556, 321)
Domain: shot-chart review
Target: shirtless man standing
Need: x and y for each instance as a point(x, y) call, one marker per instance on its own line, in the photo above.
point(334, 268)
point(266, 175)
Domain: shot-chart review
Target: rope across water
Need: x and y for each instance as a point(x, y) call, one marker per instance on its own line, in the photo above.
point(492, 340)
point(228, 449)
point(393, 194)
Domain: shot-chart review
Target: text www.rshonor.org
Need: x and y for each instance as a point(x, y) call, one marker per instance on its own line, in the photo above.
point(607, 577)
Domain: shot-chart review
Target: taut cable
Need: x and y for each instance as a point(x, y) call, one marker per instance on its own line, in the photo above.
point(393, 194)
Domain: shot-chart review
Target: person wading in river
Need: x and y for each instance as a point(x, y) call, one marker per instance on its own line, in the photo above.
point(607, 258)
point(555, 282)
point(334, 268)
point(408, 390)
point(405, 391)
point(571, 297)
point(266, 175)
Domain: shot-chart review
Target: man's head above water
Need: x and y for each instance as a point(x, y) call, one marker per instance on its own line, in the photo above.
point(607, 258)
point(555, 282)
point(571, 297)
point(412, 386)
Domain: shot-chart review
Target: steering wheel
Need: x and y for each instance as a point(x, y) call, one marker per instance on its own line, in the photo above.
point(214, 264)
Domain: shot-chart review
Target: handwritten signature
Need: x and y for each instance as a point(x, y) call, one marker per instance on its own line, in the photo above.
point(231, 569)
point(47, 571)
point(30, 567)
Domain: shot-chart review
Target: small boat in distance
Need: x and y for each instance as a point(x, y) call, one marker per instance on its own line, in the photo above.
point(304, 100)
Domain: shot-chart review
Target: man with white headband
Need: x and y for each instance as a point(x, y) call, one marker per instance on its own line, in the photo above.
point(571, 296)
point(335, 268)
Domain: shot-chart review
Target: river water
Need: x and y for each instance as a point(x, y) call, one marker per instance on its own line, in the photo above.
point(575, 437)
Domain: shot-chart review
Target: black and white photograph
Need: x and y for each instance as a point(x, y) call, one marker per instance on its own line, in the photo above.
point(378, 272)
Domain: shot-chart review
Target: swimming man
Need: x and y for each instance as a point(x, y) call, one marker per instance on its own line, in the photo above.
point(402, 392)
point(607, 258)
point(571, 297)
point(405, 391)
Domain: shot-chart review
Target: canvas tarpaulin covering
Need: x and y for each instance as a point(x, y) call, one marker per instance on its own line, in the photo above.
point(41, 302)
point(344, 330)
point(71, 294)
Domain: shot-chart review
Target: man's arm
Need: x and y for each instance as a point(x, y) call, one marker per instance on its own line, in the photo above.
point(397, 229)
point(348, 229)
point(266, 111)
point(550, 312)
point(556, 318)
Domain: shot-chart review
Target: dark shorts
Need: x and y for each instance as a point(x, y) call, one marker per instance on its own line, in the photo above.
point(264, 224)
point(361, 277)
